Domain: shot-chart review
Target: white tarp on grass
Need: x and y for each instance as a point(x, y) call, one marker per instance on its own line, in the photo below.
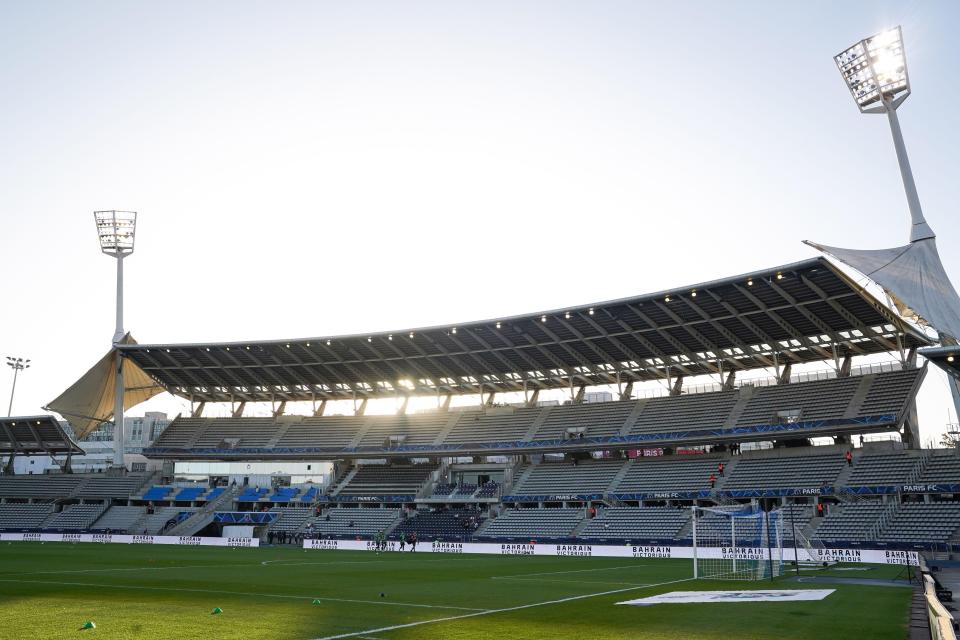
point(761, 595)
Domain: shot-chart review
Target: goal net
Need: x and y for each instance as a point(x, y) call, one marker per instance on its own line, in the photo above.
point(737, 543)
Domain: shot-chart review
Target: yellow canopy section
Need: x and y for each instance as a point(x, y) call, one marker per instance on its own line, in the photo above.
point(89, 401)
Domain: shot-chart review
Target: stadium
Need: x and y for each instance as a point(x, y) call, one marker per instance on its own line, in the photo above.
point(666, 465)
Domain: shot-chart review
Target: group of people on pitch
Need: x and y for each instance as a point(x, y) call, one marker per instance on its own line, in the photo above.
point(380, 541)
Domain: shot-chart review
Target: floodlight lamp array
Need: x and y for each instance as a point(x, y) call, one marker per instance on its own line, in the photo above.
point(875, 69)
point(116, 231)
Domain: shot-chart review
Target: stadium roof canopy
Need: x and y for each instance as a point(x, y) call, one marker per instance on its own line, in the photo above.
point(35, 435)
point(802, 312)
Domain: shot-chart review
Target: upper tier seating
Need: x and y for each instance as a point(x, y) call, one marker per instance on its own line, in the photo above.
point(383, 480)
point(119, 518)
point(849, 521)
point(453, 524)
point(819, 400)
point(23, 516)
point(801, 472)
point(882, 469)
point(846, 398)
point(670, 473)
point(533, 524)
point(250, 432)
point(923, 522)
point(631, 523)
point(179, 433)
point(492, 425)
point(555, 478)
point(328, 431)
point(418, 428)
point(685, 412)
point(600, 419)
point(888, 393)
point(75, 516)
point(943, 467)
point(355, 522)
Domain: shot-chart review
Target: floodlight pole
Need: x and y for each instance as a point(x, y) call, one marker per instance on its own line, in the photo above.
point(18, 365)
point(118, 386)
point(919, 229)
point(116, 231)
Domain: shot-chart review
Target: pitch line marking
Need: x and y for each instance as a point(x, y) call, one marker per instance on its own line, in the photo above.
point(365, 632)
point(257, 595)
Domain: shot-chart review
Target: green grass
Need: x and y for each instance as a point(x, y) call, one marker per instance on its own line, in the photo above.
point(49, 590)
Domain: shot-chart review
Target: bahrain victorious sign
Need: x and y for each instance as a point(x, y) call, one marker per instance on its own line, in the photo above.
point(866, 556)
point(110, 538)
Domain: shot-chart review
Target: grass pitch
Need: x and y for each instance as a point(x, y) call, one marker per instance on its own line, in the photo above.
point(153, 592)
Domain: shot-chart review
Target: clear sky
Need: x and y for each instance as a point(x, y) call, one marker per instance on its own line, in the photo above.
point(316, 168)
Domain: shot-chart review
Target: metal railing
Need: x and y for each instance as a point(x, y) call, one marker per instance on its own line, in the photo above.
point(941, 621)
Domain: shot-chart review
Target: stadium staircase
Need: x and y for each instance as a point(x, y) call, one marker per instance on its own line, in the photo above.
point(624, 469)
point(339, 486)
point(282, 427)
point(204, 516)
point(843, 493)
point(447, 428)
point(519, 480)
point(537, 423)
point(577, 530)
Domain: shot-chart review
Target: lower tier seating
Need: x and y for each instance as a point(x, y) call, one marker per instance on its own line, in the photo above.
point(119, 518)
point(451, 524)
point(630, 523)
point(346, 522)
point(23, 516)
point(534, 524)
point(923, 522)
point(75, 516)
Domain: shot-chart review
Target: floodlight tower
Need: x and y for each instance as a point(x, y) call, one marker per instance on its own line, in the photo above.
point(116, 231)
point(18, 365)
point(875, 70)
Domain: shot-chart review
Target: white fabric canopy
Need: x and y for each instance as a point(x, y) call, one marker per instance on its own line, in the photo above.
point(914, 278)
point(89, 401)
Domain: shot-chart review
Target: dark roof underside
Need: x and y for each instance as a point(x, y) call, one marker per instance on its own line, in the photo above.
point(803, 312)
point(35, 435)
point(946, 357)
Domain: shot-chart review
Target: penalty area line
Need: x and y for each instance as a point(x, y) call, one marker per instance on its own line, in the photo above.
point(367, 632)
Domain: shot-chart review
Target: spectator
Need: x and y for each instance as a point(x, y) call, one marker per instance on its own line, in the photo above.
point(713, 481)
point(819, 509)
point(720, 468)
point(848, 456)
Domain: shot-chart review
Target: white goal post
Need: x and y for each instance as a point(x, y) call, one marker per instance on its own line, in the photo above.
point(739, 542)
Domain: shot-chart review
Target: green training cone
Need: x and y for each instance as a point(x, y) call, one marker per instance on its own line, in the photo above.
point(216, 611)
point(89, 625)
point(315, 602)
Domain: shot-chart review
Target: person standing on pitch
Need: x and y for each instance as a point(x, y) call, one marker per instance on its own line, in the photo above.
point(413, 541)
